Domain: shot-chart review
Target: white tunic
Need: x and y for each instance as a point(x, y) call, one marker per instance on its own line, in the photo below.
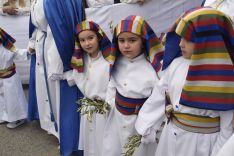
point(92, 83)
point(228, 148)
point(13, 104)
point(134, 79)
point(54, 73)
point(175, 141)
point(38, 37)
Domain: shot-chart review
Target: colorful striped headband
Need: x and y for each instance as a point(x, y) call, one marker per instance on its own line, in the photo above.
point(210, 79)
point(138, 26)
point(6, 40)
point(105, 45)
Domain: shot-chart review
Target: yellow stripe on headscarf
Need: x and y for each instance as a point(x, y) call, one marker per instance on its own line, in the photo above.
point(211, 56)
point(209, 89)
point(202, 12)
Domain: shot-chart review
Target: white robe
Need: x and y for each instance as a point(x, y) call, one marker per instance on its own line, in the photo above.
point(54, 74)
point(228, 148)
point(92, 83)
point(134, 79)
point(37, 40)
point(175, 141)
point(13, 104)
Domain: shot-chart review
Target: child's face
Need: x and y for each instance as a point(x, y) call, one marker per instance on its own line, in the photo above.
point(89, 42)
point(187, 48)
point(130, 45)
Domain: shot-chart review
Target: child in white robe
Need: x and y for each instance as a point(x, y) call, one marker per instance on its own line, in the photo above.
point(133, 77)
point(91, 75)
point(199, 85)
point(13, 104)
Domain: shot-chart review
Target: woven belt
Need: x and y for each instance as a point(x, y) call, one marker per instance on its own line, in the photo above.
point(8, 72)
point(128, 106)
point(195, 123)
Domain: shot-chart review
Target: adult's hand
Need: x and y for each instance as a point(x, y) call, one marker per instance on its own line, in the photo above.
point(141, 2)
point(10, 10)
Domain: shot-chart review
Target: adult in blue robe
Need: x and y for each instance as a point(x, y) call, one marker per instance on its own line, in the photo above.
point(62, 17)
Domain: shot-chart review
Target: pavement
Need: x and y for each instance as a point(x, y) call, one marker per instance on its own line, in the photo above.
point(27, 140)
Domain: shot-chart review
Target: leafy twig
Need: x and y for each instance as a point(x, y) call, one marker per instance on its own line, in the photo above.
point(133, 143)
point(91, 106)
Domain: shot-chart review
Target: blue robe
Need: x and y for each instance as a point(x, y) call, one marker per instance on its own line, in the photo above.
point(62, 17)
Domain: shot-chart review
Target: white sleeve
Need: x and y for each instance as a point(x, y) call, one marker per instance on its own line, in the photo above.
point(69, 77)
point(152, 112)
point(226, 130)
point(32, 40)
point(55, 64)
point(110, 94)
point(21, 55)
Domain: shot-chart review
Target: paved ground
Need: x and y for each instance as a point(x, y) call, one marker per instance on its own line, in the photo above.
point(27, 140)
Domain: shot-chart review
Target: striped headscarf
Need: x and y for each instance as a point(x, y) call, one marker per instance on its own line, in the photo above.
point(104, 44)
point(137, 25)
point(6, 40)
point(210, 78)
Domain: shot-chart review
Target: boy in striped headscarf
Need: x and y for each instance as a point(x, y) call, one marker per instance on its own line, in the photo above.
point(137, 52)
point(12, 110)
point(91, 68)
point(200, 85)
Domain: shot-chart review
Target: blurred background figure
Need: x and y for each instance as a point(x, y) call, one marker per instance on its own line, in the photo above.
point(14, 7)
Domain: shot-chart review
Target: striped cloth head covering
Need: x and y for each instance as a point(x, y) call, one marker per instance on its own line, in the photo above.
point(6, 40)
point(210, 78)
point(137, 25)
point(104, 43)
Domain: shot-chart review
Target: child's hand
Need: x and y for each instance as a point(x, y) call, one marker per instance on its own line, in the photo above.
point(150, 138)
point(31, 50)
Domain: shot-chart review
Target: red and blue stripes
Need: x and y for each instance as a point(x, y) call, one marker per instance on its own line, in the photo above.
point(128, 106)
point(210, 78)
point(6, 40)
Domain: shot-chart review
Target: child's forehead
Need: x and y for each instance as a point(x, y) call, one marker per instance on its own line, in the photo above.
point(128, 35)
point(86, 32)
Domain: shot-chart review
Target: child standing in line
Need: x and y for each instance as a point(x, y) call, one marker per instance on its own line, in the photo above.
point(199, 84)
point(13, 104)
point(137, 50)
point(91, 75)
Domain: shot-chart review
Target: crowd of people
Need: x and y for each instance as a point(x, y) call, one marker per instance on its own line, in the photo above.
point(176, 94)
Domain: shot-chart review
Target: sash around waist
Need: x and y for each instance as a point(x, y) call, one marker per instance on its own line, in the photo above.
point(196, 123)
point(8, 72)
point(128, 106)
